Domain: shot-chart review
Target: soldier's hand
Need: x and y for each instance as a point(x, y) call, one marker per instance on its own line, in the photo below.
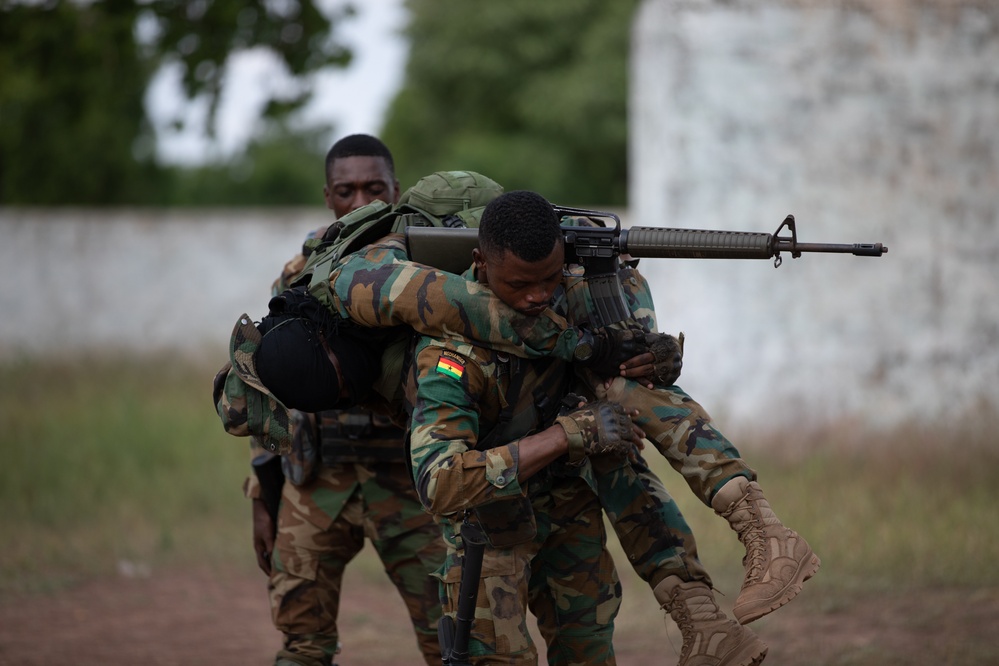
point(605, 350)
point(600, 427)
point(264, 531)
point(639, 368)
point(668, 354)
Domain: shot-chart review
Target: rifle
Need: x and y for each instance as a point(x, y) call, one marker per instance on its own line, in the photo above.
point(453, 634)
point(598, 249)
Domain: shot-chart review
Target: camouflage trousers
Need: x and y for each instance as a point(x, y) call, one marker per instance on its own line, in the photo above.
point(653, 533)
point(683, 432)
point(322, 526)
point(565, 575)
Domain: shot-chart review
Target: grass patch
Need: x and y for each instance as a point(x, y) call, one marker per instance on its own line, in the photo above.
point(118, 465)
point(889, 511)
point(115, 466)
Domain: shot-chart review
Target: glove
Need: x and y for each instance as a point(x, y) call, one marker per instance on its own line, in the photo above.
point(604, 350)
point(668, 352)
point(597, 427)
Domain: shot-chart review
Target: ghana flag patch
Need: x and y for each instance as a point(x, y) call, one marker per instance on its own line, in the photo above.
point(451, 364)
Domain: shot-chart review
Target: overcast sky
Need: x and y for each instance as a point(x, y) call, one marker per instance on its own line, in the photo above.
point(354, 99)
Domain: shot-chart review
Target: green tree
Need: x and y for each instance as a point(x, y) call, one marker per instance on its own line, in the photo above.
point(278, 168)
point(72, 123)
point(530, 93)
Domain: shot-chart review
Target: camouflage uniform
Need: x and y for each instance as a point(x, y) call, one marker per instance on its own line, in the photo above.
point(380, 287)
point(360, 487)
point(366, 492)
point(647, 521)
point(547, 541)
point(677, 425)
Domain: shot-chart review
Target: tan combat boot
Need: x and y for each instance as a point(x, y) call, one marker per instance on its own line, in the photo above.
point(709, 637)
point(778, 560)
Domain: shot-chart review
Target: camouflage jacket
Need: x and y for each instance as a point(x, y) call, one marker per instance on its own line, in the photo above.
point(379, 287)
point(471, 406)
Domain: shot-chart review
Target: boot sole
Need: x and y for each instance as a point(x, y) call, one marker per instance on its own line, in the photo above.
point(807, 568)
point(752, 653)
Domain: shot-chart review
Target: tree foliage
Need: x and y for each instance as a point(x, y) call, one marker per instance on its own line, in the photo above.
point(72, 122)
point(281, 168)
point(530, 93)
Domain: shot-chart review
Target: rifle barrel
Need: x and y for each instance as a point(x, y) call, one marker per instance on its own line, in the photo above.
point(665, 243)
point(856, 249)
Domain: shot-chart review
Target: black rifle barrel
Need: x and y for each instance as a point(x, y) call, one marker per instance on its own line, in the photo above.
point(665, 243)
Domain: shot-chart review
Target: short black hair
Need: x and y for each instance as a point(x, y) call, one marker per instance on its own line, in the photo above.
point(358, 145)
point(521, 222)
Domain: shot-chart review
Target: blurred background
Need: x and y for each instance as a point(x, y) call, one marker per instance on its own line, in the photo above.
point(161, 160)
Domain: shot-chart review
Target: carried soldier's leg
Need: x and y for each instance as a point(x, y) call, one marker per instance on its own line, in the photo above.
point(408, 541)
point(310, 556)
point(778, 560)
point(661, 548)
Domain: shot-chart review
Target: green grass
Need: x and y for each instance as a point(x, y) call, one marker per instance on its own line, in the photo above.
point(112, 462)
point(911, 507)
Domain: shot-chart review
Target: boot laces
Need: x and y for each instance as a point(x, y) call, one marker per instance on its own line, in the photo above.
point(681, 615)
point(751, 534)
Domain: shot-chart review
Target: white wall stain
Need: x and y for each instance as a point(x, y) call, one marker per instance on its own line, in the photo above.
point(869, 121)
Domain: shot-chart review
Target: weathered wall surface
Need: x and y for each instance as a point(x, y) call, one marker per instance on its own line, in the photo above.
point(138, 281)
point(869, 121)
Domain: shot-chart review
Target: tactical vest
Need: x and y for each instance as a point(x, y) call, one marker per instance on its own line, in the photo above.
point(359, 436)
point(338, 437)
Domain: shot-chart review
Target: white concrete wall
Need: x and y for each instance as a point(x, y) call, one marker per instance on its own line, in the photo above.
point(873, 120)
point(136, 281)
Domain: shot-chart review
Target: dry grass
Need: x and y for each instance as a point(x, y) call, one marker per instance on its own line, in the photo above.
point(112, 463)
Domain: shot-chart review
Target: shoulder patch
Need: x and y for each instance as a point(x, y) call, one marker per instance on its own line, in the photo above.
point(451, 364)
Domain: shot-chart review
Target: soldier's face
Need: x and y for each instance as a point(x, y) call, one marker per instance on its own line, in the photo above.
point(523, 285)
point(357, 181)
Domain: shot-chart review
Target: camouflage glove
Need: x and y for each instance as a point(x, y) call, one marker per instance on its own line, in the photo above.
point(603, 350)
point(668, 352)
point(597, 427)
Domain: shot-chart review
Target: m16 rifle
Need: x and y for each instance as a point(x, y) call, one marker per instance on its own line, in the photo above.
point(599, 248)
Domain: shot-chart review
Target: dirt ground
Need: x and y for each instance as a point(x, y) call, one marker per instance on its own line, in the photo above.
point(167, 618)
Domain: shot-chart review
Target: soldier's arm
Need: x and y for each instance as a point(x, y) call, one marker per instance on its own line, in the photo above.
point(450, 474)
point(379, 287)
point(444, 429)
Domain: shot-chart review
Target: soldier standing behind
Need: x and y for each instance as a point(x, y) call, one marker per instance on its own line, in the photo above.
point(347, 478)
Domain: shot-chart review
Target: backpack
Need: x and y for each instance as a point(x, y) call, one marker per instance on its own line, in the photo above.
point(442, 199)
point(446, 199)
